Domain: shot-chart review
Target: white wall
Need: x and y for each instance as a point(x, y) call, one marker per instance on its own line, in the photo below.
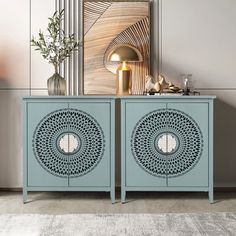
point(196, 36)
point(199, 37)
point(15, 79)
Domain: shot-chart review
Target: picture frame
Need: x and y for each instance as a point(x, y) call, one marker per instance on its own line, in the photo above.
point(108, 24)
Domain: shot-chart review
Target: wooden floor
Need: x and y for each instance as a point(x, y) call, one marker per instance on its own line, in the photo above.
point(78, 202)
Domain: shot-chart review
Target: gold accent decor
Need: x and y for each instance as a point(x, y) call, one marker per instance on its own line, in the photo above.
point(123, 79)
point(132, 36)
point(160, 86)
point(123, 53)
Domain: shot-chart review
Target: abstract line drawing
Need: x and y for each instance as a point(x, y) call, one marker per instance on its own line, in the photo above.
point(107, 24)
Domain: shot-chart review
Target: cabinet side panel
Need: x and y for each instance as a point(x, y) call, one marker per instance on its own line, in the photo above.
point(211, 152)
point(25, 145)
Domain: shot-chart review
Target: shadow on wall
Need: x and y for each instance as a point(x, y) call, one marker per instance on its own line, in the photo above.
point(14, 66)
point(10, 129)
point(11, 144)
point(198, 80)
point(224, 144)
point(4, 71)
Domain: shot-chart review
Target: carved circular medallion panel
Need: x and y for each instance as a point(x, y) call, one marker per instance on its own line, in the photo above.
point(68, 142)
point(167, 142)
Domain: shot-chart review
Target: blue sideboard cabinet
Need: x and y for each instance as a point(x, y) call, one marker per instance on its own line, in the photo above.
point(167, 144)
point(69, 144)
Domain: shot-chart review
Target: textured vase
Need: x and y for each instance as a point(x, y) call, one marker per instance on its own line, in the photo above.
point(56, 85)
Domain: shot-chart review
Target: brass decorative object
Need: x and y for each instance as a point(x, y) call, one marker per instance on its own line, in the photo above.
point(123, 53)
point(123, 79)
point(160, 86)
point(151, 85)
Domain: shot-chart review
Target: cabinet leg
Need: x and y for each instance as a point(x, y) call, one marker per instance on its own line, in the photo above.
point(112, 195)
point(211, 196)
point(123, 195)
point(25, 194)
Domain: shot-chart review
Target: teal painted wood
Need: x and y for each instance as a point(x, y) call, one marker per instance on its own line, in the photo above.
point(211, 151)
point(70, 189)
point(168, 189)
point(36, 174)
point(129, 181)
point(139, 175)
point(198, 174)
point(133, 97)
point(50, 168)
point(123, 149)
point(112, 150)
point(144, 166)
point(25, 151)
point(99, 176)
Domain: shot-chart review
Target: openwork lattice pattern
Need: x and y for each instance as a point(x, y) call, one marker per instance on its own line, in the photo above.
point(173, 128)
point(56, 131)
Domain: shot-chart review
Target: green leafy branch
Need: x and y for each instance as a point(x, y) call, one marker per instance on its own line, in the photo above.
point(55, 46)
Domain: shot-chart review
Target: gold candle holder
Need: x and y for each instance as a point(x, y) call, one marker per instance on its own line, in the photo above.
point(123, 80)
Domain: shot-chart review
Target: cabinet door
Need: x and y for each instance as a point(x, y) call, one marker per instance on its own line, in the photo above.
point(89, 125)
point(187, 139)
point(145, 164)
point(47, 163)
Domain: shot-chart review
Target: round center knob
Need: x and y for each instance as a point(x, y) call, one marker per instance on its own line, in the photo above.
point(69, 143)
point(166, 143)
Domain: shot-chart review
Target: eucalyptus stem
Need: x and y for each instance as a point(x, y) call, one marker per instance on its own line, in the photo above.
point(55, 46)
point(56, 68)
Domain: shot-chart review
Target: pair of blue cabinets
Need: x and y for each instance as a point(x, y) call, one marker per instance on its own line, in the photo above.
point(166, 144)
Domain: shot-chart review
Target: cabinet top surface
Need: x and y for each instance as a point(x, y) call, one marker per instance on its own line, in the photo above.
point(119, 97)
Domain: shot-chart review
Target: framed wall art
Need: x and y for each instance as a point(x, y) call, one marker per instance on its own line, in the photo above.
point(116, 45)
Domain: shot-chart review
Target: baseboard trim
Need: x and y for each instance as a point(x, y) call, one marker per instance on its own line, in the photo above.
point(225, 189)
point(216, 189)
point(11, 189)
point(118, 189)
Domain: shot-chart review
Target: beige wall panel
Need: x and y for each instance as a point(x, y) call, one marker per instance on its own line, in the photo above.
point(39, 92)
point(40, 69)
point(11, 138)
point(198, 37)
point(14, 46)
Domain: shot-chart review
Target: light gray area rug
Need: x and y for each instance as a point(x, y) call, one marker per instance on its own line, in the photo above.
point(118, 224)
